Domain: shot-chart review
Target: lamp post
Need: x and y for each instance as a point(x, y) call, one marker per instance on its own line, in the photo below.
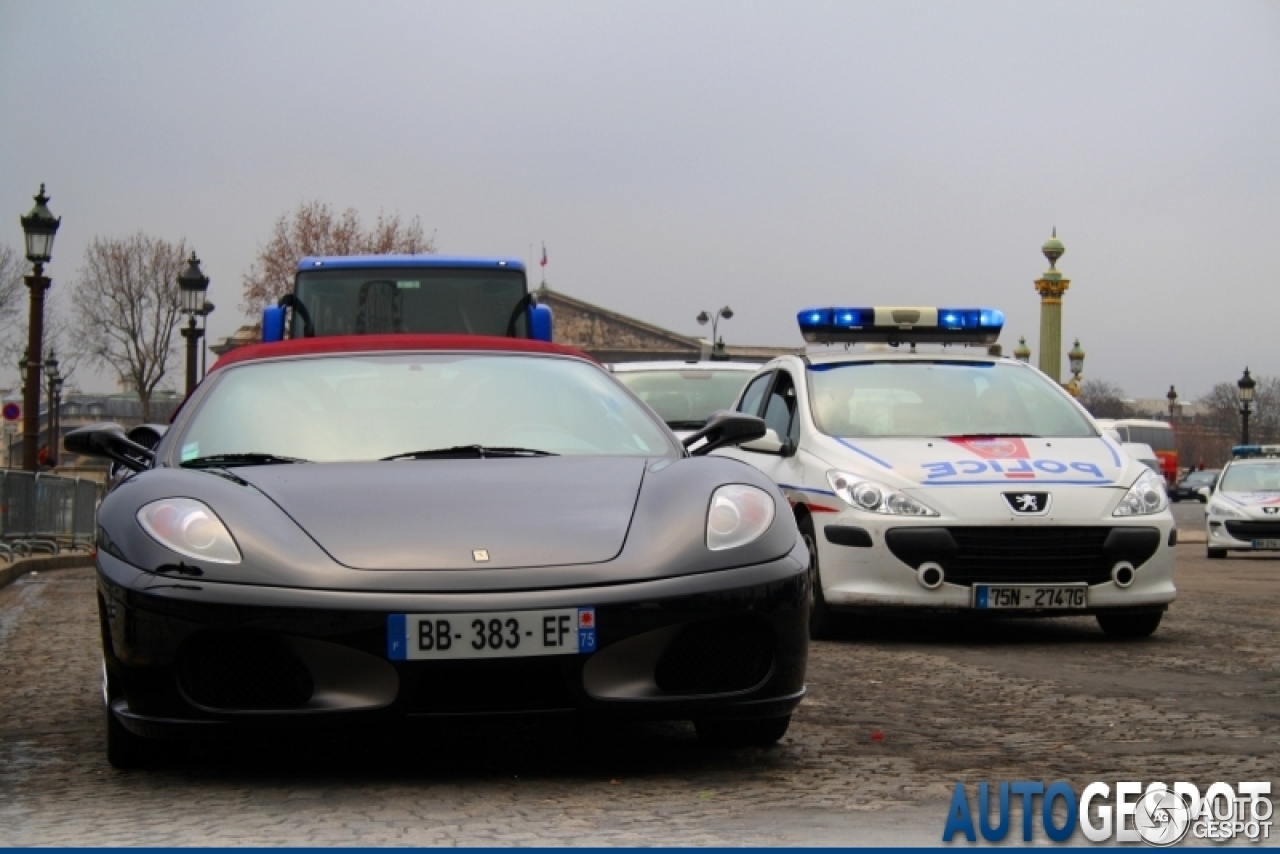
point(1022, 352)
point(1246, 385)
point(192, 286)
point(38, 229)
point(1175, 408)
point(204, 326)
point(717, 345)
point(54, 378)
point(1076, 359)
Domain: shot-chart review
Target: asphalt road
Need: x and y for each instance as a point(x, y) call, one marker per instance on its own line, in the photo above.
point(897, 713)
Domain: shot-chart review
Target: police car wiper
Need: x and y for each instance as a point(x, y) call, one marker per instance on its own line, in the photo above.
point(467, 452)
point(225, 460)
point(686, 425)
point(994, 436)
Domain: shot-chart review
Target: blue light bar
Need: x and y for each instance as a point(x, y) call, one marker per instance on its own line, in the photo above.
point(901, 325)
point(1256, 451)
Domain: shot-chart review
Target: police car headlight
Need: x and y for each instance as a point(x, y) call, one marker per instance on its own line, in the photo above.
point(1217, 508)
point(1146, 496)
point(875, 497)
point(189, 528)
point(738, 515)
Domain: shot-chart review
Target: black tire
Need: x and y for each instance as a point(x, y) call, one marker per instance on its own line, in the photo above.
point(821, 620)
point(1215, 554)
point(742, 732)
point(1140, 625)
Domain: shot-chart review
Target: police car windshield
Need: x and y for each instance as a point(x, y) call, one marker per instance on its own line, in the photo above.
point(424, 300)
point(900, 399)
point(1260, 476)
point(368, 407)
point(685, 397)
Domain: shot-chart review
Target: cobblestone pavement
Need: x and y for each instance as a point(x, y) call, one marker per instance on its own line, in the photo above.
point(952, 701)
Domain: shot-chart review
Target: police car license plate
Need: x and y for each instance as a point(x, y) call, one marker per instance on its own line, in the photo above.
point(1010, 596)
point(497, 634)
point(1266, 544)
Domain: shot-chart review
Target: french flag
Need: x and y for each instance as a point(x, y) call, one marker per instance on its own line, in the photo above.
point(544, 254)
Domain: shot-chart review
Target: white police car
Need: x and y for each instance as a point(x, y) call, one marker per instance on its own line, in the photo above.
point(1244, 510)
point(954, 480)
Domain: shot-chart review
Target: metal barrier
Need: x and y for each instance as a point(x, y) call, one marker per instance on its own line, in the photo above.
point(46, 513)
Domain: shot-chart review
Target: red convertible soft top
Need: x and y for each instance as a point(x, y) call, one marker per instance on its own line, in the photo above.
point(400, 342)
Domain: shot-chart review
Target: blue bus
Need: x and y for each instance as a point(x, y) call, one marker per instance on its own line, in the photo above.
point(388, 294)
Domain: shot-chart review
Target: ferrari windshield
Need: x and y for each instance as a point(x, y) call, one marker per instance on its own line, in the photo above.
point(684, 397)
point(1252, 477)
point(898, 399)
point(421, 406)
point(427, 300)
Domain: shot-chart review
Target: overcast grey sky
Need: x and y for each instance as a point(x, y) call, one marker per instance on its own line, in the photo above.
point(679, 156)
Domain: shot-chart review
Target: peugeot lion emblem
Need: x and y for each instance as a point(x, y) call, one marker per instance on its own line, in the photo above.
point(1271, 511)
point(1028, 503)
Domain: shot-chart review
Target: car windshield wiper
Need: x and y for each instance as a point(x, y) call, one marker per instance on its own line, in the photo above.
point(686, 425)
point(992, 436)
point(228, 460)
point(466, 452)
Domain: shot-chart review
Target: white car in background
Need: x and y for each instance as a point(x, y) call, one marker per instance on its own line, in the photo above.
point(953, 481)
point(1244, 509)
point(684, 394)
point(1144, 454)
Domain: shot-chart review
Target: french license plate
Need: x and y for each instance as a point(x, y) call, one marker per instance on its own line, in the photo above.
point(497, 634)
point(1266, 544)
point(992, 596)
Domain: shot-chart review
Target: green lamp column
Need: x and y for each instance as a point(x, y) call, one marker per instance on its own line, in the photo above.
point(1051, 286)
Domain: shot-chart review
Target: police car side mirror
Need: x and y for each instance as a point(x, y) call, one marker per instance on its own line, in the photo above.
point(1204, 492)
point(769, 443)
point(725, 427)
point(108, 440)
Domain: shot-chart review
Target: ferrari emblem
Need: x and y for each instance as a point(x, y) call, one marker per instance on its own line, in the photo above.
point(481, 555)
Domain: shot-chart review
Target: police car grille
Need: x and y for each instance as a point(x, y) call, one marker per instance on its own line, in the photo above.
point(1033, 555)
point(716, 657)
point(1253, 530)
point(243, 672)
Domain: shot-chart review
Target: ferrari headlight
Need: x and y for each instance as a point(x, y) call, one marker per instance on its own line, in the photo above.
point(189, 528)
point(1217, 508)
point(1146, 496)
point(738, 515)
point(875, 497)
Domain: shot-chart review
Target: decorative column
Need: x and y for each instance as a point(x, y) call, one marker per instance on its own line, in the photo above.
point(1051, 286)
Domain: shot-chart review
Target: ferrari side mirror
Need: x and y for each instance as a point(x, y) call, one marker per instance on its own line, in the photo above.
point(108, 440)
point(726, 427)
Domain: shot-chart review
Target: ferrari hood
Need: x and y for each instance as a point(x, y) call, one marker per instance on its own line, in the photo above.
point(980, 461)
point(458, 514)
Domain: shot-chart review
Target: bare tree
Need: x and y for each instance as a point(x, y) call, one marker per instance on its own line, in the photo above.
point(128, 306)
point(1103, 399)
point(315, 229)
point(13, 331)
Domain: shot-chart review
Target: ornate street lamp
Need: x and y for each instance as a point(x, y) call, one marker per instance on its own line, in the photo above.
point(1246, 385)
point(204, 326)
point(192, 286)
point(1022, 352)
point(1076, 359)
point(1175, 408)
point(717, 349)
point(54, 377)
point(38, 228)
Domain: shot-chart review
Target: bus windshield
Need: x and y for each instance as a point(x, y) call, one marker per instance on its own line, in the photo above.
point(422, 300)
